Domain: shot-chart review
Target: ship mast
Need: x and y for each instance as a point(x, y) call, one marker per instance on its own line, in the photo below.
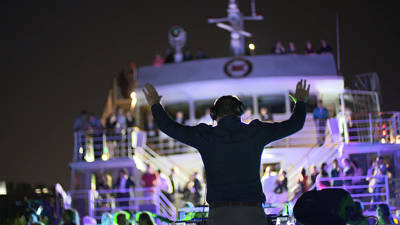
point(236, 25)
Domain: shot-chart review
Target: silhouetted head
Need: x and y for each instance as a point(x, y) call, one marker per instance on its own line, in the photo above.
point(145, 219)
point(70, 216)
point(328, 207)
point(121, 219)
point(226, 105)
point(383, 211)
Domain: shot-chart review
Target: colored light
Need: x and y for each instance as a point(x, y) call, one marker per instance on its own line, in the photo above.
point(3, 188)
point(104, 157)
point(252, 46)
point(134, 99)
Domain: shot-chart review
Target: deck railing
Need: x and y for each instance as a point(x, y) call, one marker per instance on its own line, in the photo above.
point(94, 145)
point(377, 127)
point(361, 127)
point(132, 199)
point(370, 190)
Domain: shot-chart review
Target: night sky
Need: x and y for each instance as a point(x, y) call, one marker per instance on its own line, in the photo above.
point(59, 57)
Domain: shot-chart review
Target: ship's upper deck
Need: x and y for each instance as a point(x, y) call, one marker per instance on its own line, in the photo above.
point(262, 66)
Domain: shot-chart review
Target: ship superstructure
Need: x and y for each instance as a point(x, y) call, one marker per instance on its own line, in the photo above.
point(356, 129)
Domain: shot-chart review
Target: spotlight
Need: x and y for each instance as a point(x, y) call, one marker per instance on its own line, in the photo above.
point(252, 46)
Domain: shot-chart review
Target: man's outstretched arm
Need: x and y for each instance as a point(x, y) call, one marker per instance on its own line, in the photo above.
point(182, 133)
point(296, 121)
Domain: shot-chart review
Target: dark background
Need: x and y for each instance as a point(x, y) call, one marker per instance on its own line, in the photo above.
point(59, 57)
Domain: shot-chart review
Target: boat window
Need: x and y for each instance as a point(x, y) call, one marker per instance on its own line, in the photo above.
point(174, 108)
point(247, 101)
point(201, 106)
point(311, 103)
point(274, 103)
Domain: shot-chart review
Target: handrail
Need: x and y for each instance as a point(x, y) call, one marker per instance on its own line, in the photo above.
point(104, 144)
point(102, 201)
point(373, 127)
point(149, 156)
point(66, 197)
point(352, 186)
point(316, 156)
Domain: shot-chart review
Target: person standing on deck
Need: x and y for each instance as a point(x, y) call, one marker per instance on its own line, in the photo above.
point(234, 191)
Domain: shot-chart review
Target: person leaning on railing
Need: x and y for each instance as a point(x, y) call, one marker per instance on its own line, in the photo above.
point(336, 171)
point(321, 115)
point(380, 171)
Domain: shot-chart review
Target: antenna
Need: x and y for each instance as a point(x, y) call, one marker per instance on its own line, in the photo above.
point(253, 7)
point(236, 25)
point(338, 45)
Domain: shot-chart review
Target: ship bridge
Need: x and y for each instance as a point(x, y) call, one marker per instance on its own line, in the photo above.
point(356, 127)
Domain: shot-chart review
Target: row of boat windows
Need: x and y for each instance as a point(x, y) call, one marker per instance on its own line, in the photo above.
point(274, 104)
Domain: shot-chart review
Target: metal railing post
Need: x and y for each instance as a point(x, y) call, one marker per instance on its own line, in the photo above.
point(345, 129)
point(387, 189)
point(105, 145)
point(76, 146)
point(397, 122)
point(394, 127)
point(370, 128)
point(91, 203)
point(129, 134)
point(157, 199)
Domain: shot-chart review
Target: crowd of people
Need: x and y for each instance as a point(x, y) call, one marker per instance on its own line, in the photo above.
point(152, 180)
point(89, 127)
point(312, 208)
point(276, 189)
point(348, 168)
point(280, 48)
point(71, 216)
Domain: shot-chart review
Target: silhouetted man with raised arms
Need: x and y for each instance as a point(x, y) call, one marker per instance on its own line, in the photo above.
point(231, 153)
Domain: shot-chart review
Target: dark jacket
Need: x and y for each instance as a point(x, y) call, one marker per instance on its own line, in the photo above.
point(129, 183)
point(231, 151)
